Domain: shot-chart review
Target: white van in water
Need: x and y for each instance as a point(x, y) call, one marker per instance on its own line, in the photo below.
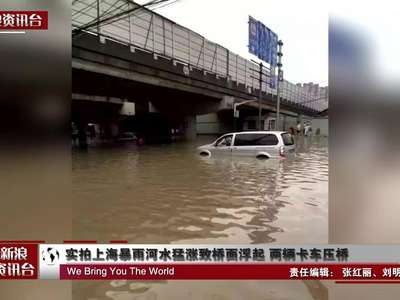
point(260, 144)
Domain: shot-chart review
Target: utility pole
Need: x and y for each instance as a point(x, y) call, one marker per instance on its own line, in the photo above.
point(278, 92)
point(98, 17)
point(259, 97)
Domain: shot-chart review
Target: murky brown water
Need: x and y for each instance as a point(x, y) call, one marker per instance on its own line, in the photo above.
point(169, 194)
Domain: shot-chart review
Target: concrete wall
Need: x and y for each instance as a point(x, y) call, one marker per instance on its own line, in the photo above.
point(251, 122)
point(289, 121)
point(212, 124)
point(215, 123)
point(322, 124)
point(208, 124)
point(286, 121)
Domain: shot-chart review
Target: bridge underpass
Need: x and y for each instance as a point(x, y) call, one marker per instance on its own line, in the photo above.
point(98, 98)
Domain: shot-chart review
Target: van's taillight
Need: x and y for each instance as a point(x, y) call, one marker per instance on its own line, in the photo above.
point(282, 151)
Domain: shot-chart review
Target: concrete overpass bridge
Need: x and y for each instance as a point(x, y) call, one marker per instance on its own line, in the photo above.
point(125, 53)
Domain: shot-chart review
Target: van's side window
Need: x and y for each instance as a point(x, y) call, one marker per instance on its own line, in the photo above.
point(224, 141)
point(287, 139)
point(255, 139)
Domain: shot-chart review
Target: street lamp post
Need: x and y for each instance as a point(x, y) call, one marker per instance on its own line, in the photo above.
point(260, 96)
point(236, 112)
point(278, 94)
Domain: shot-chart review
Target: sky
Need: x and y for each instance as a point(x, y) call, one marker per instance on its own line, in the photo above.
point(301, 25)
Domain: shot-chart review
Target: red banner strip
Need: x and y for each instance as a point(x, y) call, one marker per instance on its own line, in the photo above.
point(227, 271)
point(23, 20)
point(368, 282)
point(80, 242)
point(18, 260)
point(22, 242)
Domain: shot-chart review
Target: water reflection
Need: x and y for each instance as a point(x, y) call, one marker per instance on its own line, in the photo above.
point(169, 194)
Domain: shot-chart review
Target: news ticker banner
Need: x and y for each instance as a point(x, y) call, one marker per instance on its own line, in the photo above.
point(172, 261)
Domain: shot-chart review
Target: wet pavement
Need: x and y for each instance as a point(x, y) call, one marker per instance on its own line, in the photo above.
point(169, 194)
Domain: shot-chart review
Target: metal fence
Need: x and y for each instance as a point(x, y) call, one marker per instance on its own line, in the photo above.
point(129, 23)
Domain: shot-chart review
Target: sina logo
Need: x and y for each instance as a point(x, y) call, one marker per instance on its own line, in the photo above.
point(50, 256)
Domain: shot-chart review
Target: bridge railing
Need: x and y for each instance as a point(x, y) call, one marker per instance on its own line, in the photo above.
point(129, 23)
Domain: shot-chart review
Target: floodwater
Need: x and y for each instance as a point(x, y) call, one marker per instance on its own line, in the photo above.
point(169, 194)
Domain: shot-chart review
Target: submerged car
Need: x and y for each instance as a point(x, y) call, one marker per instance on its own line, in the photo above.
point(259, 144)
point(126, 137)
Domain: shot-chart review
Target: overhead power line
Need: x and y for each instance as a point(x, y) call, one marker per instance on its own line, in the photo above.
point(314, 100)
point(117, 16)
point(166, 4)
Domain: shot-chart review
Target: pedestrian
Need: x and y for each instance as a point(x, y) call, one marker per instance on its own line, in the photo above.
point(140, 141)
point(298, 128)
point(307, 130)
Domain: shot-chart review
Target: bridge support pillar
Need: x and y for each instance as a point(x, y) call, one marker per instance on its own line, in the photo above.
point(301, 121)
point(82, 136)
point(283, 122)
point(190, 128)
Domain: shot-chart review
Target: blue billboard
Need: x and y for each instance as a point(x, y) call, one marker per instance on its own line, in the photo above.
point(263, 42)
